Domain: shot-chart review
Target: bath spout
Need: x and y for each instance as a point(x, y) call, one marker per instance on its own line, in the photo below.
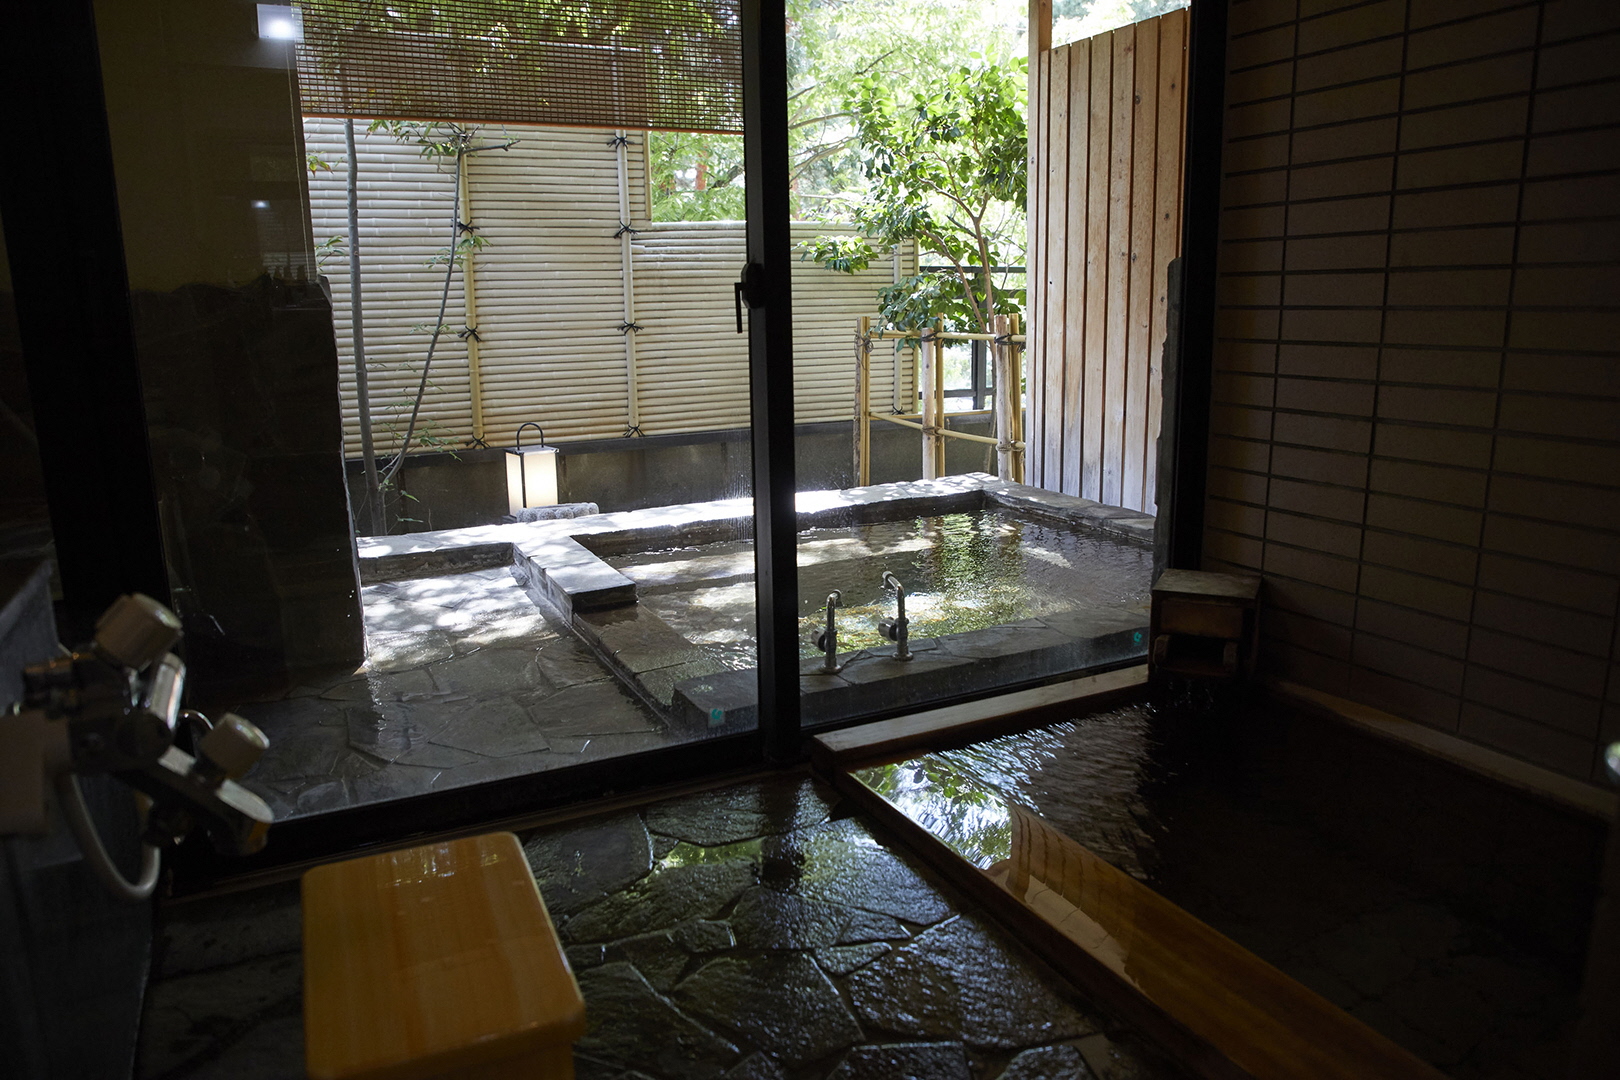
point(827, 639)
point(897, 629)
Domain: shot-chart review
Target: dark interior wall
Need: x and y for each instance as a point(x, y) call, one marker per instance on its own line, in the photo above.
point(234, 336)
point(1416, 419)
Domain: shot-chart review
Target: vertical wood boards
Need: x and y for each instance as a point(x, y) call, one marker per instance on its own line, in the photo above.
point(1052, 278)
point(1075, 276)
point(1139, 312)
point(1090, 404)
point(1107, 132)
point(1115, 360)
point(1035, 256)
point(1166, 229)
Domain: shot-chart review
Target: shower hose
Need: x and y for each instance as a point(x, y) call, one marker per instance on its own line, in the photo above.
point(71, 798)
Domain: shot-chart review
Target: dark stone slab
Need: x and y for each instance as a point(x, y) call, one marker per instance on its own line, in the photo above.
point(449, 560)
point(671, 896)
point(757, 1067)
point(1048, 1063)
point(1010, 639)
point(868, 926)
point(632, 1026)
point(904, 1061)
point(492, 669)
point(959, 980)
point(636, 640)
point(565, 662)
point(783, 1003)
point(656, 956)
point(839, 863)
point(766, 919)
point(187, 1016)
point(597, 708)
point(741, 812)
point(493, 728)
point(576, 865)
point(843, 959)
point(702, 936)
point(414, 649)
point(205, 934)
point(581, 957)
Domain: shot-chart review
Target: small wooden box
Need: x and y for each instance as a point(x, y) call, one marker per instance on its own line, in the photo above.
point(435, 961)
point(1204, 625)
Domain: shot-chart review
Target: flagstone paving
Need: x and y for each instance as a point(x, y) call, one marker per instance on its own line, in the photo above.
point(757, 932)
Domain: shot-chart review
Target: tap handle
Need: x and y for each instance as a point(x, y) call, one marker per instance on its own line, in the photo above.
point(233, 746)
point(136, 630)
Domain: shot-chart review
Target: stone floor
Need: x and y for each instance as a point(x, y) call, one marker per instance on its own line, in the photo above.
point(757, 931)
point(466, 680)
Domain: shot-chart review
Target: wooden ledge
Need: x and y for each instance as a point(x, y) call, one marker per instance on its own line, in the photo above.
point(958, 725)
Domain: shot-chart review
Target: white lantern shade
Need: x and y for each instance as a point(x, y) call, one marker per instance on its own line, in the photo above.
point(531, 477)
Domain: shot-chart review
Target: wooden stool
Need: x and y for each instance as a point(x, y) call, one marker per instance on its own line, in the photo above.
point(435, 961)
point(1204, 625)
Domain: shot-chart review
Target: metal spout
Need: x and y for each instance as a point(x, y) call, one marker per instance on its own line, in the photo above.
point(898, 629)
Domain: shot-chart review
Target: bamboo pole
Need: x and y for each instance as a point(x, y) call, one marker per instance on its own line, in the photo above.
point(469, 296)
point(863, 402)
point(945, 433)
point(939, 407)
point(1016, 367)
point(632, 389)
point(1001, 351)
point(928, 363)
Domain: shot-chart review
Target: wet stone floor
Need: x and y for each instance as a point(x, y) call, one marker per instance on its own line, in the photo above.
point(466, 680)
point(756, 932)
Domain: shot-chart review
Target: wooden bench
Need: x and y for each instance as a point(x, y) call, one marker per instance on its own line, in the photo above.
point(435, 961)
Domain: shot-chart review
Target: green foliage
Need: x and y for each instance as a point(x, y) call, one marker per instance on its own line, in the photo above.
point(695, 176)
point(945, 168)
point(832, 44)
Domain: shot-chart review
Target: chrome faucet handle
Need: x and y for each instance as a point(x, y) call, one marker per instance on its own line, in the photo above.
point(897, 629)
point(827, 638)
point(232, 747)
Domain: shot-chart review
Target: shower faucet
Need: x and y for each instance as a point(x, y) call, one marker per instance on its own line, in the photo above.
point(112, 708)
point(827, 638)
point(897, 629)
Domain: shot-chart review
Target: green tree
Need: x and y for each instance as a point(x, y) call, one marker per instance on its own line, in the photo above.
point(832, 46)
point(945, 168)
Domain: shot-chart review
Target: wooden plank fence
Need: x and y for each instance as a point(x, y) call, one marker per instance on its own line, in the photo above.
point(1106, 136)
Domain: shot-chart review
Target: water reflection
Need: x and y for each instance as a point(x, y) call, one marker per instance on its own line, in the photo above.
point(962, 572)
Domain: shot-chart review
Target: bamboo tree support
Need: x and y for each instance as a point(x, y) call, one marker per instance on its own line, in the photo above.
point(469, 296)
point(632, 388)
point(932, 377)
point(1006, 393)
point(863, 402)
point(1015, 367)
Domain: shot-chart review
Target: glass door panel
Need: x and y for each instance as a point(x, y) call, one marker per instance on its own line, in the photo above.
point(927, 570)
point(450, 417)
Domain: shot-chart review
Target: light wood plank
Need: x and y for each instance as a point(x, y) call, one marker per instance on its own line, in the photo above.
point(1053, 278)
point(1035, 261)
point(1140, 266)
point(954, 725)
point(1166, 220)
point(1074, 361)
point(1119, 252)
point(1099, 125)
